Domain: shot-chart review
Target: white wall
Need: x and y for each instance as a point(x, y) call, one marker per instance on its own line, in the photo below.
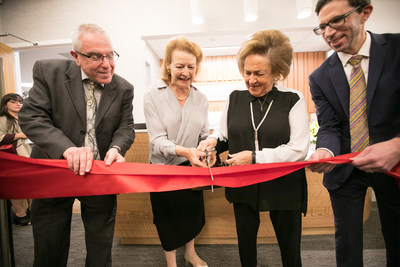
point(50, 22)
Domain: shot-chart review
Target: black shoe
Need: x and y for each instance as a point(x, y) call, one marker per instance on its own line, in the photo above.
point(23, 221)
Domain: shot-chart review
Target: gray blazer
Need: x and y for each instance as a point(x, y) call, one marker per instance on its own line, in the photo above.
point(54, 114)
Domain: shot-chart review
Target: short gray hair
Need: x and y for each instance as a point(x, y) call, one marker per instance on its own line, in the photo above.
point(83, 29)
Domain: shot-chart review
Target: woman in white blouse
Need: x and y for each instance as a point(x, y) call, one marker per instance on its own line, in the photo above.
point(177, 120)
point(266, 123)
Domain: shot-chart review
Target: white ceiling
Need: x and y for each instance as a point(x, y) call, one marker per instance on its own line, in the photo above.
point(224, 29)
point(272, 15)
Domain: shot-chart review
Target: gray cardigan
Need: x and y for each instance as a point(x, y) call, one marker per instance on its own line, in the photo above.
point(169, 124)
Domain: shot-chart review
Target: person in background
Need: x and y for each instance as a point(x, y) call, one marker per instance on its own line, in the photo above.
point(78, 110)
point(177, 119)
point(11, 134)
point(356, 92)
point(263, 124)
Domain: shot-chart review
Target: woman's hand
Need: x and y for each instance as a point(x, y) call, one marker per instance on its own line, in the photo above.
point(19, 135)
point(241, 158)
point(196, 157)
point(211, 158)
point(208, 144)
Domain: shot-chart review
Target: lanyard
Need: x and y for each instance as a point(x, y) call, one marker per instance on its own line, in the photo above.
point(258, 126)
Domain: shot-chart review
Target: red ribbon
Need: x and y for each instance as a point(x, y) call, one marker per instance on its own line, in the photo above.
point(22, 177)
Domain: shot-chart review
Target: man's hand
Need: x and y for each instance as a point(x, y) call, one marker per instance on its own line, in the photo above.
point(79, 159)
point(113, 156)
point(321, 167)
point(241, 158)
point(379, 157)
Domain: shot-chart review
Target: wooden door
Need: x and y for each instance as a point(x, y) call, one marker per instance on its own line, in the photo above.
point(7, 83)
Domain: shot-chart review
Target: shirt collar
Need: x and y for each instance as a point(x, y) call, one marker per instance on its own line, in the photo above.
point(85, 77)
point(364, 51)
point(270, 95)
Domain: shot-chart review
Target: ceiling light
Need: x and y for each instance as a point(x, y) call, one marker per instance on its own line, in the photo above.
point(196, 12)
point(250, 10)
point(303, 8)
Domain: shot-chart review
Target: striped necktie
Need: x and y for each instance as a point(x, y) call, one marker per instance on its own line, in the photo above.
point(358, 106)
point(91, 109)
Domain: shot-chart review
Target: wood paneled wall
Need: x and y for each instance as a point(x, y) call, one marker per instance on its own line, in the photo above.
point(224, 68)
point(302, 66)
point(219, 69)
point(6, 54)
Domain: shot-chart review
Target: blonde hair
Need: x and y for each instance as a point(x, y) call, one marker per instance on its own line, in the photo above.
point(179, 43)
point(273, 44)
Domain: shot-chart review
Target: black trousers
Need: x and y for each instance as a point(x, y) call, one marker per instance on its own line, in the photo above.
point(348, 207)
point(51, 224)
point(287, 226)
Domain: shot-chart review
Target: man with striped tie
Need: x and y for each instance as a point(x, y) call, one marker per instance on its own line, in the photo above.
point(356, 92)
point(78, 110)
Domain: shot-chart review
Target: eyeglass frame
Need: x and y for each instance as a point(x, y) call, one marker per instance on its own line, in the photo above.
point(324, 25)
point(14, 101)
point(115, 54)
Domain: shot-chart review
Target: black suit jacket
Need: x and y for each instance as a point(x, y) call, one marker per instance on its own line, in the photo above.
point(54, 114)
point(330, 93)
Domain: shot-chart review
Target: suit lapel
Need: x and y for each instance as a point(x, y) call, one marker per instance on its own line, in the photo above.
point(107, 98)
point(74, 85)
point(376, 60)
point(340, 83)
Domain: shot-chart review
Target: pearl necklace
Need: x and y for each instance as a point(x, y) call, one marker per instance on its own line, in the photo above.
point(183, 98)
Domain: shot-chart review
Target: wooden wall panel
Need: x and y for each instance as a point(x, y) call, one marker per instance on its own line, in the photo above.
point(6, 54)
point(303, 64)
point(219, 68)
point(224, 68)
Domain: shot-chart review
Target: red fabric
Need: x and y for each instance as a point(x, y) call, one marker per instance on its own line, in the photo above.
point(22, 177)
point(7, 148)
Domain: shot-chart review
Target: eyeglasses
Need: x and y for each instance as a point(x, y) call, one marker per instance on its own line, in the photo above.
point(15, 101)
point(334, 23)
point(113, 56)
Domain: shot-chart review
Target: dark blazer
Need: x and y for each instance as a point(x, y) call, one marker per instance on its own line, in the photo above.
point(330, 93)
point(54, 114)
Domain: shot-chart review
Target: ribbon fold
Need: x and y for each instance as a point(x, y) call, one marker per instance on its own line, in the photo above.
point(22, 177)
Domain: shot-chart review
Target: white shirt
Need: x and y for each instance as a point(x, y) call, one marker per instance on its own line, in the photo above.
point(364, 51)
point(297, 147)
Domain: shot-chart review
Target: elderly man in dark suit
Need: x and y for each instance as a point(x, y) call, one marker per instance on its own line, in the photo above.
point(80, 111)
point(357, 96)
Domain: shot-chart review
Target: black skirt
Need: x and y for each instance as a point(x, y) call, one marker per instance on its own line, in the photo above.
point(178, 216)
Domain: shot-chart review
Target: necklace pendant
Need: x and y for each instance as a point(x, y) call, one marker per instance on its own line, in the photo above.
point(256, 139)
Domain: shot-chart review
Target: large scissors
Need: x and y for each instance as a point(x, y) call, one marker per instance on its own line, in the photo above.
point(209, 168)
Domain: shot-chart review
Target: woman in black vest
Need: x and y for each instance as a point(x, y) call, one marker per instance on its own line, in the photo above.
point(263, 124)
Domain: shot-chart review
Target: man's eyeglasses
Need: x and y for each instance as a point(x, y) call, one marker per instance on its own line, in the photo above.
point(334, 23)
point(113, 56)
